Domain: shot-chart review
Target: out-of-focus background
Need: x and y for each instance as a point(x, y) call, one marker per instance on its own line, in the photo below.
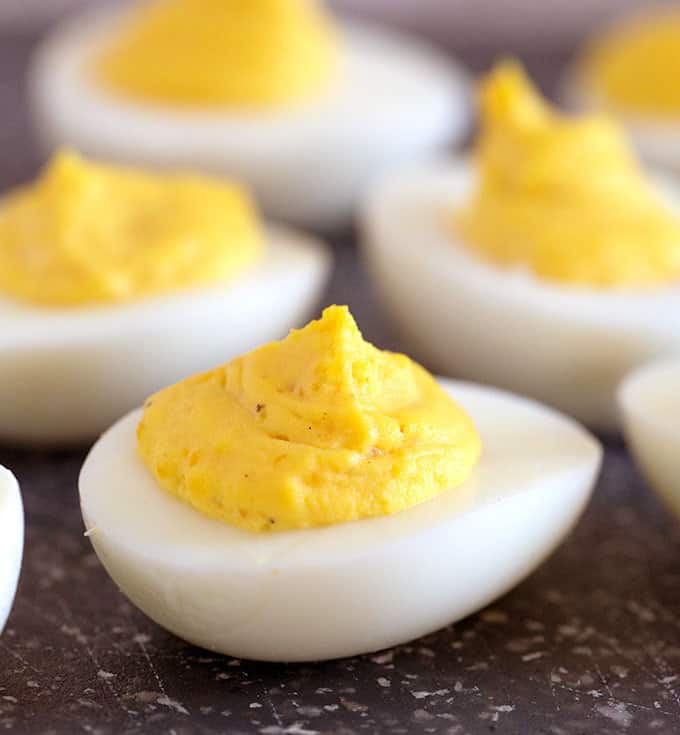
point(543, 33)
point(474, 28)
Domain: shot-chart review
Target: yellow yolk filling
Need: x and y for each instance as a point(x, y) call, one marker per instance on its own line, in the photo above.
point(251, 53)
point(86, 233)
point(563, 197)
point(635, 66)
point(317, 429)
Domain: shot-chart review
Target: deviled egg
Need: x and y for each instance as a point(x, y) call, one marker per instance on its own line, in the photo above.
point(11, 541)
point(116, 282)
point(304, 108)
point(548, 265)
point(631, 70)
point(650, 405)
point(318, 498)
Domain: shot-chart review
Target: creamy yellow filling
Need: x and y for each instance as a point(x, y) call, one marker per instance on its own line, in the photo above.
point(634, 67)
point(320, 428)
point(563, 196)
point(86, 233)
point(250, 53)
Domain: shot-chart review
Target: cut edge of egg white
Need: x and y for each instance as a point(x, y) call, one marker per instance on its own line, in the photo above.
point(66, 374)
point(649, 399)
point(349, 588)
point(11, 541)
point(564, 345)
point(398, 100)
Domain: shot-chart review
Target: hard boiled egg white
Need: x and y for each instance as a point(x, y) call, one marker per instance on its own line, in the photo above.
point(396, 101)
point(650, 405)
point(567, 346)
point(11, 541)
point(68, 373)
point(348, 588)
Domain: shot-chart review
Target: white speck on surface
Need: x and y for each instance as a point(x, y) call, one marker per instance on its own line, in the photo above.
point(642, 612)
point(504, 708)
point(172, 704)
point(105, 674)
point(496, 617)
point(423, 695)
point(255, 705)
point(294, 729)
point(533, 656)
point(618, 713)
point(383, 658)
point(568, 631)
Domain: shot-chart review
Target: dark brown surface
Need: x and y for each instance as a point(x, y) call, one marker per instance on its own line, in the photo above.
point(590, 644)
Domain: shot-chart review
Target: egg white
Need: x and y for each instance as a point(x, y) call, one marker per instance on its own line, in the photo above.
point(649, 399)
point(349, 588)
point(397, 100)
point(657, 140)
point(566, 346)
point(11, 541)
point(67, 373)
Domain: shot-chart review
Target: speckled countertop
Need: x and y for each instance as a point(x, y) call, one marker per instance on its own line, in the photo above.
point(590, 644)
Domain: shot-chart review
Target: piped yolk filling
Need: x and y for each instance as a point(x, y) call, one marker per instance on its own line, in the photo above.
point(243, 53)
point(317, 429)
point(563, 196)
point(86, 233)
point(634, 67)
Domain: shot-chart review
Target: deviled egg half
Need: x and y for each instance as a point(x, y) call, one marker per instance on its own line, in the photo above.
point(305, 108)
point(631, 70)
point(11, 541)
point(318, 498)
point(115, 282)
point(548, 265)
point(649, 399)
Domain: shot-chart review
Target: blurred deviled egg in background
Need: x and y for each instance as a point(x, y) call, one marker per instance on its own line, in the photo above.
point(305, 108)
point(631, 70)
point(11, 541)
point(115, 282)
point(318, 497)
point(549, 264)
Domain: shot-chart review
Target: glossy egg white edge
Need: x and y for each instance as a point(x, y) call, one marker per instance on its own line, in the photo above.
point(566, 346)
point(350, 588)
point(11, 541)
point(68, 374)
point(656, 140)
point(649, 399)
point(397, 101)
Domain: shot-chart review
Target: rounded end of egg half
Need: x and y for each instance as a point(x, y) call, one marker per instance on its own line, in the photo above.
point(649, 400)
point(11, 541)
